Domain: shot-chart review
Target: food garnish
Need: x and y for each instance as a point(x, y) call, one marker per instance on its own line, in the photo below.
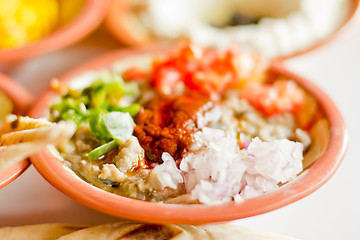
point(100, 105)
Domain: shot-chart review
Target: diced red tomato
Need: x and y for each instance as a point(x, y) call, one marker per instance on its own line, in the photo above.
point(208, 82)
point(166, 78)
point(135, 74)
point(282, 96)
point(204, 70)
point(58, 86)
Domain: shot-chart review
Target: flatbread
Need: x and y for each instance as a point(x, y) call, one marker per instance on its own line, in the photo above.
point(49, 231)
point(233, 232)
point(144, 231)
point(24, 136)
point(104, 232)
point(320, 135)
point(15, 123)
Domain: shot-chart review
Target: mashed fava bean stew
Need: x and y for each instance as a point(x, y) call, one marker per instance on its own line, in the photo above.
point(194, 126)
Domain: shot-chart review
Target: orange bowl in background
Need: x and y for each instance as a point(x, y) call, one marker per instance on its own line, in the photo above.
point(64, 179)
point(22, 100)
point(119, 21)
point(90, 16)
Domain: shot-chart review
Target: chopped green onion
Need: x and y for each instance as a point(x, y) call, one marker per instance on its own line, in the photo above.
point(101, 150)
point(119, 125)
point(98, 105)
point(72, 115)
point(97, 126)
point(132, 109)
point(98, 97)
point(113, 125)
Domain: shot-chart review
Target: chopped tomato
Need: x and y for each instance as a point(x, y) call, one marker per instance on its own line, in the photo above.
point(282, 96)
point(58, 86)
point(190, 51)
point(204, 70)
point(208, 82)
point(166, 78)
point(134, 74)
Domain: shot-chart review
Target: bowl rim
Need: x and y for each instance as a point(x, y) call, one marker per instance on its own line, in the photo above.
point(22, 100)
point(120, 32)
point(62, 178)
point(91, 15)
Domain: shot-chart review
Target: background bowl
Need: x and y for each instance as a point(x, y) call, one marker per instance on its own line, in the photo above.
point(91, 15)
point(54, 171)
point(22, 100)
point(118, 18)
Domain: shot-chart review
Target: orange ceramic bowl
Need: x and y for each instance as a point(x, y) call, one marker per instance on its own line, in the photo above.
point(119, 18)
point(61, 177)
point(91, 15)
point(22, 101)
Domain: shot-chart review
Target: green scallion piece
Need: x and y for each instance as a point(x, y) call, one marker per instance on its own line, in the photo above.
point(132, 109)
point(101, 150)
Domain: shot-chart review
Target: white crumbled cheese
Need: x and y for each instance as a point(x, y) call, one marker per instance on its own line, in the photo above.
point(167, 173)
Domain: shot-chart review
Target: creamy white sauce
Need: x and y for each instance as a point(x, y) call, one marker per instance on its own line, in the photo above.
point(285, 26)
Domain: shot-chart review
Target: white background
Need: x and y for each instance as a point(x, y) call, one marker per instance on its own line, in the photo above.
point(332, 212)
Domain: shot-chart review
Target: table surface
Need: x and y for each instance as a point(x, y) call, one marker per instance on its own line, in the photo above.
point(329, 213)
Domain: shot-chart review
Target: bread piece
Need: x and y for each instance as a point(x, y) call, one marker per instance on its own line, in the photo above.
point(50, 231)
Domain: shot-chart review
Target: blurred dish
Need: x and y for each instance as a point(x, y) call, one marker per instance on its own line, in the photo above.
point(23, 22)
point(65, 33)
point(310, 180)
point(276, 28)
point(22, 101)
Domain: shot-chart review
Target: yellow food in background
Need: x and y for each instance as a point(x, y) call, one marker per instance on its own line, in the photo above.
point(69, 9)
point(26, 21)
point(6, 106)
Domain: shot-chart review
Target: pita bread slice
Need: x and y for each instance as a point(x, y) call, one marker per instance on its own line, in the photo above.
point(320, 135)
point(136, 231)
point(103, 232)
point(233, 232)
point(15, 146)
point(15, 123)
point(193, 232)
point(49, 231)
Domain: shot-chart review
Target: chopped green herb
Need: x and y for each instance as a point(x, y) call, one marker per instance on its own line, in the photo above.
point(97, 125)
point(132, 109)
point(120, 125)
point(101, 150)
point(100, 104)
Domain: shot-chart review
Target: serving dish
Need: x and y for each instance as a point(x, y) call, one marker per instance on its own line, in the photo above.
point(291, 36)
point(61, 177)
point(22, 100)
point(83, 24)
